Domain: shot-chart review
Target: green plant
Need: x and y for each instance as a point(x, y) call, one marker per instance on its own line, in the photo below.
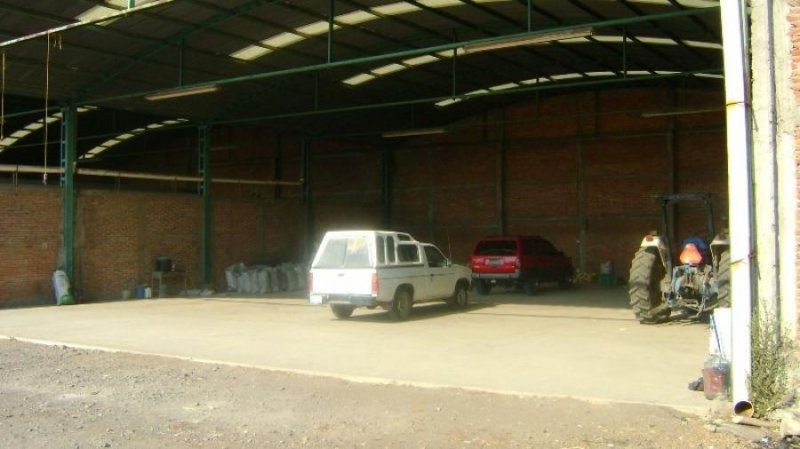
point(771, 361)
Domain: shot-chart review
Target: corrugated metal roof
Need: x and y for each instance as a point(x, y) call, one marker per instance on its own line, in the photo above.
point(187, 42)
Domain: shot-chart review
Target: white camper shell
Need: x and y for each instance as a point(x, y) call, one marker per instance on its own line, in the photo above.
point(388, 269)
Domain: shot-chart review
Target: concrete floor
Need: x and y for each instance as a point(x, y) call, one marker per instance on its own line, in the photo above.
point(582, 343)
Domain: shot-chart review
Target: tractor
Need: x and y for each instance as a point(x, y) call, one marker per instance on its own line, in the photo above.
point(694, 283)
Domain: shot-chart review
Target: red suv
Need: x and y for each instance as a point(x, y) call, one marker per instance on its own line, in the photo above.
point(523, 261)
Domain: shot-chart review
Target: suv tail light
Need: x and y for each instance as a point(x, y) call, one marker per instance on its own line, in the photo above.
point(690, 255)
point(310, 284)
point(375, 284)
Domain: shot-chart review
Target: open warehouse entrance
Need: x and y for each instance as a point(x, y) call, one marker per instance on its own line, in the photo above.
point(239, 131)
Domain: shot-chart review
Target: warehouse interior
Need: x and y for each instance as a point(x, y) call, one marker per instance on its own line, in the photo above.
point(239, 131)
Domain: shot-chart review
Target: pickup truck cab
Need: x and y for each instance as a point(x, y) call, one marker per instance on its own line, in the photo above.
point(384, 269)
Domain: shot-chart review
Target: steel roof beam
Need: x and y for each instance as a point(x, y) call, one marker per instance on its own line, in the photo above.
point(669, 34)
point(172, 40)
point(403, 54)
point(432, 100)
point(105, 30)
point(624, 32)
point(698, 22)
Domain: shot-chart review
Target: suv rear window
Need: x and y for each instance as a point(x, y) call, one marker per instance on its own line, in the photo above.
point(496, 247)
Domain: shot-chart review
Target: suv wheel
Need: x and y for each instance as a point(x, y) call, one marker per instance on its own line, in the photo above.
point(530, 286)
point(483, 287)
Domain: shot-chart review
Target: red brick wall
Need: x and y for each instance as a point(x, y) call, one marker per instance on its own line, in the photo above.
point(30, 239)
point(580, 162)
point(574, 166)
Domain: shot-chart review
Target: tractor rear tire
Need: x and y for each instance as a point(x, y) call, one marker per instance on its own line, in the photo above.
point(724, 280)
point(644, 289)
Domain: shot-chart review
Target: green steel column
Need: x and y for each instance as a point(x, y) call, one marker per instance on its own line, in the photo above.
point(68, 149)
point(308, 198)
point(206, 278)
point(386, 186)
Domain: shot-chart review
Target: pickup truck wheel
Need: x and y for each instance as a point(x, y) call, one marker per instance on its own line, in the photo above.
point(460, 297)
point(401, 306)
point(342, 311)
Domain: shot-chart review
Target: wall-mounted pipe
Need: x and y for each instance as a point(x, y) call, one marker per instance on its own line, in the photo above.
point(7, 168)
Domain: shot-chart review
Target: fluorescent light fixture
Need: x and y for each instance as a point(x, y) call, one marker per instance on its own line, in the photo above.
point(710, 75)
point(182, 92)
point(414, 132)
point(519, 41)
point(681, 112)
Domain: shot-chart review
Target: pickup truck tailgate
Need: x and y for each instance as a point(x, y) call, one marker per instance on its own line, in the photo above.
point(342, 281)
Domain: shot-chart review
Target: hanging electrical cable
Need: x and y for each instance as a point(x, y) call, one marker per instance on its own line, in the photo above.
point(55, 43)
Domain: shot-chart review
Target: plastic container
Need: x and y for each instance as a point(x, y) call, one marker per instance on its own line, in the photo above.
point(62, 288)
point(606, 278)
point(715, 377)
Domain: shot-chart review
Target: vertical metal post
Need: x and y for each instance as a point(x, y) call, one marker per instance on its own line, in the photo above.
point(386, 186)
point(203, 144)
point(530, 15)
point(625, 52)
point(181, 48)
point(453, 73)
point(331, 15)
point(500, 178)
point(69, 130)
point(583, 233)
point(308, 197)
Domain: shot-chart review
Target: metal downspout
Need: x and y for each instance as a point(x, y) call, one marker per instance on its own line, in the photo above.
point(740, 193)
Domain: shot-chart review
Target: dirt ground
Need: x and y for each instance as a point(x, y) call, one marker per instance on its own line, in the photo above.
point(55, 397)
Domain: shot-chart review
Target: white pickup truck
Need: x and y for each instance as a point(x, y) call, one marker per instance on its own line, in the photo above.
point(384, 269)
